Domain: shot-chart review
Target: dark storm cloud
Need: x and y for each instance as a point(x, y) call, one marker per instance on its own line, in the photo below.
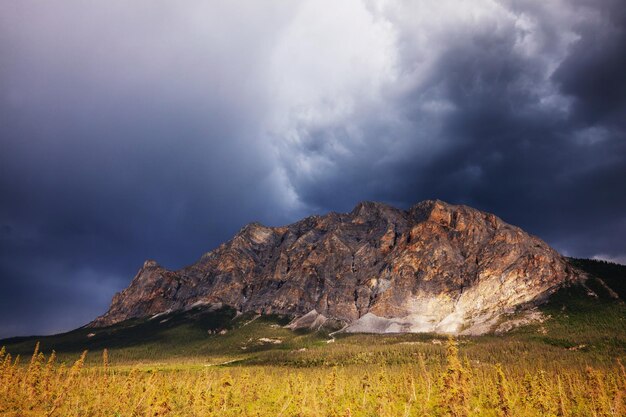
point(593, 73)
point(154, 131)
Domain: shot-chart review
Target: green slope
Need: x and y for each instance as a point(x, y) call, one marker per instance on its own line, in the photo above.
point(611, 273)
point(197, 334)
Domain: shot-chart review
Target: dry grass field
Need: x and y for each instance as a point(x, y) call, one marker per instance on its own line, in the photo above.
point(453, 386)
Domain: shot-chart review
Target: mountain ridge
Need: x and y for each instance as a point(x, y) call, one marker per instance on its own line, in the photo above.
point(435, 267)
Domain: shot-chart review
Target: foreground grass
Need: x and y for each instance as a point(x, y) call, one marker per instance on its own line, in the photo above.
point(426, 387)
point(569, 365)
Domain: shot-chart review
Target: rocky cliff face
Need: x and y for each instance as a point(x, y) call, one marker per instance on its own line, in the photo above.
point(434, 268)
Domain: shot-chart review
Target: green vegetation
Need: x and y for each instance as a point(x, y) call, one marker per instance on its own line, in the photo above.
point(611, 273)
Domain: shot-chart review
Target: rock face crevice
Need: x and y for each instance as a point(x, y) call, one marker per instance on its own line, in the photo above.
point(433, 268)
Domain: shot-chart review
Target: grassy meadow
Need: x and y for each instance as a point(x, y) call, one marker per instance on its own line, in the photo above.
point(218, 363)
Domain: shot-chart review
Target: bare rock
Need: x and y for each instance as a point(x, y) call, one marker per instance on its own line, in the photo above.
point(436, 267)
point(310, 321)
point(267, 340)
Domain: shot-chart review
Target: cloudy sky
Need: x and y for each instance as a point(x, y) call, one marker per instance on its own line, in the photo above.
point(156, 129)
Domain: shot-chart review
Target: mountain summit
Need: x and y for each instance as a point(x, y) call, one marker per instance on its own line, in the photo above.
point(436, 267)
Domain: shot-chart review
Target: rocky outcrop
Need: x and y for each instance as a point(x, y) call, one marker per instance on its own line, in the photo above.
point(433, 268)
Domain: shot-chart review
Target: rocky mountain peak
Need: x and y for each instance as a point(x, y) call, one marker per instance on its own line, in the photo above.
point(149, 263)
point(436, 267)
point(370, 208)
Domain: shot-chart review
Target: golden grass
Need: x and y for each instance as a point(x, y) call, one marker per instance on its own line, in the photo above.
point(452, 387)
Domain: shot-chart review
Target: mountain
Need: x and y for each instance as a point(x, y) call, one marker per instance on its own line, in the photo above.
point(436, 267)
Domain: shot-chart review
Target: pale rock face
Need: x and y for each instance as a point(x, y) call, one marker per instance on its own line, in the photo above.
point(433, 268)
point(310, 321)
